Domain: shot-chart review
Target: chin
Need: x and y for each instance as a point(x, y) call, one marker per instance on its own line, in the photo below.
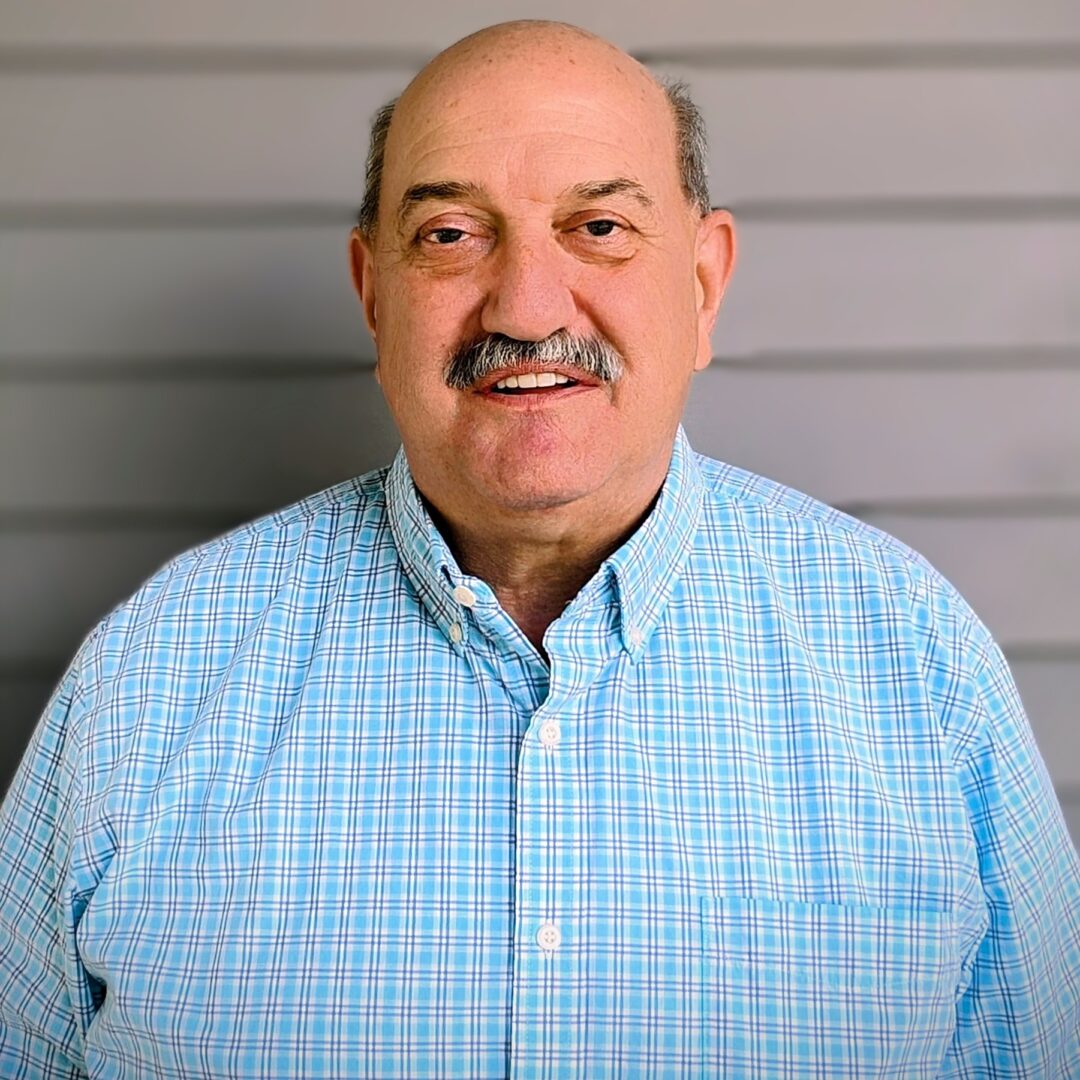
point(532, 486)
point(534, 497)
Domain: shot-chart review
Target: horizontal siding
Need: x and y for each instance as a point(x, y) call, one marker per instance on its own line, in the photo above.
point(187, 446)
point(1050, 690)
point(266, 291)
point(21, 702)
point(855, 436)
point(286, 138)
point(338, 23)
point(68, 581)
point(1021, 577)
point(836, 134)
point(1072, 819)
point(249, 442)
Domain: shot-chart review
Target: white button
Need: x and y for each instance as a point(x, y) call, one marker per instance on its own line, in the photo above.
point(636, 636)
point(549, 733)
point(548, 936)
point(464, 596)
point(455, 633)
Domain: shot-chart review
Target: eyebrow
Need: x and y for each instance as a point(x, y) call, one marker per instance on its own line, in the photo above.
point(449, 190)
point(445, 190)
point(603, 189)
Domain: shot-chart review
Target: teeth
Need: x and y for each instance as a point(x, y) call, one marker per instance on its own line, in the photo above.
point(529, 380)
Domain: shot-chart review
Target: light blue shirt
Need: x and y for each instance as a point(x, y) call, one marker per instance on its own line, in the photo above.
point(309, 804)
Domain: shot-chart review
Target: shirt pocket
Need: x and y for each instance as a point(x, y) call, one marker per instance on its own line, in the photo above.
point(797, 989)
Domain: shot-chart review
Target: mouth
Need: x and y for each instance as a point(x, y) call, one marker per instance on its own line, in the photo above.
point(533, 382)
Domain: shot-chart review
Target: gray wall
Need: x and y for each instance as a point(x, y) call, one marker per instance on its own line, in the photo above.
point(180, 350)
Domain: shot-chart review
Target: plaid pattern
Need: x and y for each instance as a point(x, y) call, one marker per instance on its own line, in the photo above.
point(303, 807)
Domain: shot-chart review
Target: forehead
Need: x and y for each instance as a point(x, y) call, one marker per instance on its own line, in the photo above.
point(534, 124)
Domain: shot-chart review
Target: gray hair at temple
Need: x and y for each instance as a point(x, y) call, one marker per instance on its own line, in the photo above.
point(690, 142)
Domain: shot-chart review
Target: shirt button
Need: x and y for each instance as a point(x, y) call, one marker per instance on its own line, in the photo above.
point(636, 636)
point(548, 936)
point(464, 596)
point(455, 633)
point(549, 733)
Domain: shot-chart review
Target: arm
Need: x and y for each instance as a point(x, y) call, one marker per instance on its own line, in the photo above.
point(47, 999)
point(1019, 1014)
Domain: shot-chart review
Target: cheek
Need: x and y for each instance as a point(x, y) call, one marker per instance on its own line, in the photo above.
point(649, 314)
point(411, 366)
point(421, 322)
point(416, 393)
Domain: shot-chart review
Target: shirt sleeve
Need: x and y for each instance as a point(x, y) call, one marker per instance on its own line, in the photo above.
point(46, 998)
point(1019, 1015)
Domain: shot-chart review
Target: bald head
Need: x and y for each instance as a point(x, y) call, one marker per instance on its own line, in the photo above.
point(527, 44)
point(528, 61)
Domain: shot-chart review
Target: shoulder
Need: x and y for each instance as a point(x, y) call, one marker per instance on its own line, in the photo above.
point(782, 520)
point(237, 615)
point(804, 543)
point(263, 552)
point(228, 580)
point(824, 565)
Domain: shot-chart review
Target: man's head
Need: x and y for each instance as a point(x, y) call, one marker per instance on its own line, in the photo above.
point(537, 210)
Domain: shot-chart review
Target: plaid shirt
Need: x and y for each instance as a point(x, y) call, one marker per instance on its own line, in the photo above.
point(310, 805)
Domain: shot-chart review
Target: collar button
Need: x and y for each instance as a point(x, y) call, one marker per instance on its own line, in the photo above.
point(465, 596)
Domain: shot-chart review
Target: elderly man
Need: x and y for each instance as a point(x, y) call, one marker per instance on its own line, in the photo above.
point(554, 750)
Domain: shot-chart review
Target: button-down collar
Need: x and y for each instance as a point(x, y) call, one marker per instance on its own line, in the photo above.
point(644, 569)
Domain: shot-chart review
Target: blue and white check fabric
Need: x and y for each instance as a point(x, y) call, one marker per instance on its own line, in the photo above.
point(310, 805)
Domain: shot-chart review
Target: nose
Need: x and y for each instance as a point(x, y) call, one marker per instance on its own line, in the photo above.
point(530, 296)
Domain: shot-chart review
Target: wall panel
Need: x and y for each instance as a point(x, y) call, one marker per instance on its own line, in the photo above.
point(338, 23)
point(1050, 690)
point(175, 446)
point(301, 137)
point(67, 581)
point(1020, 574)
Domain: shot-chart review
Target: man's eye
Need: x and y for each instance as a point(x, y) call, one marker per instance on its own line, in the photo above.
point(446, 236)
point(601, 228)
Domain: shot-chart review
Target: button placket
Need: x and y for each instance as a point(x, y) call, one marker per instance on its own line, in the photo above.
point(549, 842)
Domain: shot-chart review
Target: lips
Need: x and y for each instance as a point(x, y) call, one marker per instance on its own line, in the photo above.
point(535, 379)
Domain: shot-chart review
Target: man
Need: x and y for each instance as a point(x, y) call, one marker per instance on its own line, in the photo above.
point(553, 750)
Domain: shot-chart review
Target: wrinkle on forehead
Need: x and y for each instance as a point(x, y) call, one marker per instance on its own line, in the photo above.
point(540, 145)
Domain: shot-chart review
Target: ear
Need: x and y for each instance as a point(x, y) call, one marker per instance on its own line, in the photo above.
point(362, 266)
point(713, 262)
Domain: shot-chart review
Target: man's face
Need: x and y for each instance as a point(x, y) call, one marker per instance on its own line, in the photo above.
point(528, 192)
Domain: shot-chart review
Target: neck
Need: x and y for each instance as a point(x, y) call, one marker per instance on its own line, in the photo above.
point(535, 568)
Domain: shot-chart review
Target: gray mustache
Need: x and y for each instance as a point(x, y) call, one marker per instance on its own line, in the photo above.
point(595, 356)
